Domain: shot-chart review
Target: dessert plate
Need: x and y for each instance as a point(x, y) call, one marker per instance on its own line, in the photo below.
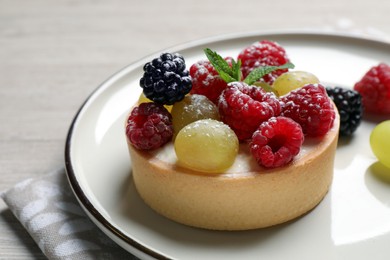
point(352, 222)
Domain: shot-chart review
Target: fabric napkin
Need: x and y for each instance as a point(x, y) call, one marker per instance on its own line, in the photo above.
point(49, 211)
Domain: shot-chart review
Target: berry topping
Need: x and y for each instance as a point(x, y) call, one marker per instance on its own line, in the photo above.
point(210, 78)
point(311, 107)
point(276, 142)
point(192, 108)
point(149, 126)
point(263, 53)
point(245, 107)
point(292, 80)
point(166, 79)
point(349, 105)
point(206, 145)
point(374, 88)
point(206, 80)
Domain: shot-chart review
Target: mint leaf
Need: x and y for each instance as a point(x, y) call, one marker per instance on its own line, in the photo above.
point(227, 73)
point(236, 69)
point(260, 72)
point(225, 76)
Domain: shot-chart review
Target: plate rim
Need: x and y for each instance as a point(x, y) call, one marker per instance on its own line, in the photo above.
point(87, 205)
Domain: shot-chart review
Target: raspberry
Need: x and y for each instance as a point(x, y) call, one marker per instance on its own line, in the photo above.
point(374, 88)
point(349, 105)
point(206, 80)
point(311, 107)
point(149, 126)
point(166, 79)
point(245, 107)
point(276, 142)
point(263, 53)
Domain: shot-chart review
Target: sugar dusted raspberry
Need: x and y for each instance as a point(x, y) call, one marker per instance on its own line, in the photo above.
point(374, 88)
point(311, 107)
point(276, 142)
point(206, 80)
point(245, 107)
point(263, 53)
point(149, 126)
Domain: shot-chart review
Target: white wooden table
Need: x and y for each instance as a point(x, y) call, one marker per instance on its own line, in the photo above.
point(54, 53)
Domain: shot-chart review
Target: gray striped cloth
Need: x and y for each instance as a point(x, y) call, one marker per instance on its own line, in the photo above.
point(49, 211)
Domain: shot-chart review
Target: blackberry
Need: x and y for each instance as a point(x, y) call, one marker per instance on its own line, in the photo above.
point(166, 79)
point(349, 104)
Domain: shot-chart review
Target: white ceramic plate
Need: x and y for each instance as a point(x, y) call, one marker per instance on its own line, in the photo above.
point(352, 222)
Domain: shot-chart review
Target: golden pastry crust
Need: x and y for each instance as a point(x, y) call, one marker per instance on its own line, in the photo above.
point(238, 201)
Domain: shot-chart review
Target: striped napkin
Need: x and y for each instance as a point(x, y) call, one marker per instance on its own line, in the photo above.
point(49, 211)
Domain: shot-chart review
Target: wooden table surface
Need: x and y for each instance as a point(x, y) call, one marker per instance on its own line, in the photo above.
point(53, 54)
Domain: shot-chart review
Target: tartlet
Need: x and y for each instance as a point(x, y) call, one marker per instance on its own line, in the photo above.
point(246, 196)
point(263, 176)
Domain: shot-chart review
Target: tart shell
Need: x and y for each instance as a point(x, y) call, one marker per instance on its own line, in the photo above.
point(239, 201)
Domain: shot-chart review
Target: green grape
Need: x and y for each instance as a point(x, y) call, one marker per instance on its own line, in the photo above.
point(190, 109)
point(265, 86)
point(292, 80)
point(143, 99)
point(380, 142)
point(206, 145)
